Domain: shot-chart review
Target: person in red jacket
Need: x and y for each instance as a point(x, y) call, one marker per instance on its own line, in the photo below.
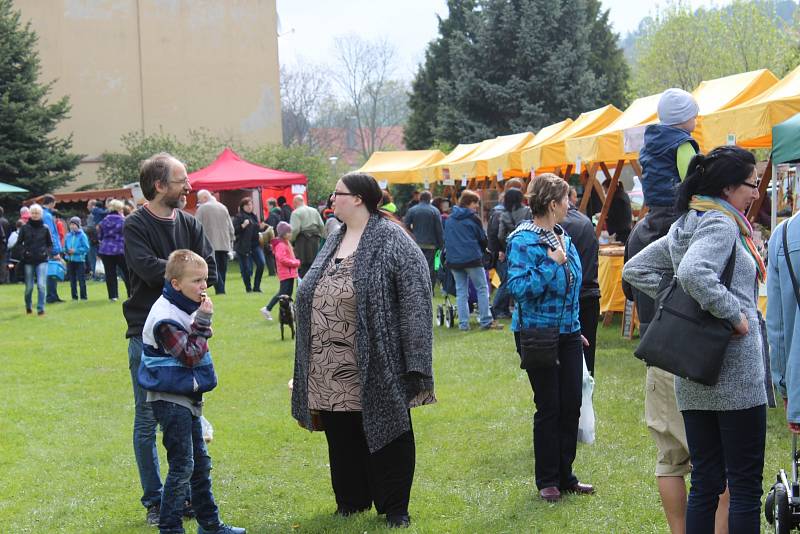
point(287, 265)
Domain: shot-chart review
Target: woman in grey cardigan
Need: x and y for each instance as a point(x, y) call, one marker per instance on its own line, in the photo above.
point(725, 423)
point(363, 352)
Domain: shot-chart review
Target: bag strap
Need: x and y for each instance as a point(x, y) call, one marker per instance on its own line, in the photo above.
point(789, 262)
point(727, 274)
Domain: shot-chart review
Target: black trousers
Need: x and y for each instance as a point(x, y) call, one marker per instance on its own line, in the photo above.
point(221, 259)
point(360, 478)
point(286, 287)
point(589, 315)
point(110, 264)
point(430, 257)
point(557, 395)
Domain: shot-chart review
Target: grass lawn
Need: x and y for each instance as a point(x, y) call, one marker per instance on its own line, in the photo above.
point(66, 461)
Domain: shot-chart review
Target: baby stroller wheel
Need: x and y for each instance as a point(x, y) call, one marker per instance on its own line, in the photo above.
point(781, 514)
point(449, 317)
point(769, 506)
point(439, 315)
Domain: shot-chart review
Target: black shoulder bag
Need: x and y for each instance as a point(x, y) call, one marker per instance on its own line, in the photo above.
point(684, 339)
point(538, 347)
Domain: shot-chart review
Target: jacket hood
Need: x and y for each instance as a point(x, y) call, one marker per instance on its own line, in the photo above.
point(660, 138)
point(461, 213)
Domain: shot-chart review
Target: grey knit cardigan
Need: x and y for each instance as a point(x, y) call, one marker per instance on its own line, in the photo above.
point(394, 334)
point(696, 249)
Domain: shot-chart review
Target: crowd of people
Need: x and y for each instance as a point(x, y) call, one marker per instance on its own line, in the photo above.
point(365, 277)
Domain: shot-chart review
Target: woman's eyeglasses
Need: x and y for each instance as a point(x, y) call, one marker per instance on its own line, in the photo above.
point(752, 186)
point(343, 194)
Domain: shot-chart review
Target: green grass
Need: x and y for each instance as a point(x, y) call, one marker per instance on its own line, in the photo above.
point(66, 461)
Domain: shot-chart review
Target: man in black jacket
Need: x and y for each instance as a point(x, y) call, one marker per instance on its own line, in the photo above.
point(151, 234)
point(425, 222)
point(581, 229)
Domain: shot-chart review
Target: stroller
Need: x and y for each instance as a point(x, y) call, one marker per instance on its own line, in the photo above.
point(782, 505)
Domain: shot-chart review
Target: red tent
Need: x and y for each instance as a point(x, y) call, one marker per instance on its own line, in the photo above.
point(230, 172)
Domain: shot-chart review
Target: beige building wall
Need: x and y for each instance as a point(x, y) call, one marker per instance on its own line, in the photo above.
point(145, 65)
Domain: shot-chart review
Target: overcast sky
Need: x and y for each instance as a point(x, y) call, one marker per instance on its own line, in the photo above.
point(309, 26)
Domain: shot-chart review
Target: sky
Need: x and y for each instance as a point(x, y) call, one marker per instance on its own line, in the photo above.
point(309, 26)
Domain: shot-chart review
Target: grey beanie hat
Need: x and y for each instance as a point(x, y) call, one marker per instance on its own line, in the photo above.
point(76, 221)
point(676, 106)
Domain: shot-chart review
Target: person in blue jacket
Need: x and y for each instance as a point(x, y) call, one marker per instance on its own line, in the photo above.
point(464, 243)
point(49, 204)
point(544, 277)
point(783, 320)
point(76, 246)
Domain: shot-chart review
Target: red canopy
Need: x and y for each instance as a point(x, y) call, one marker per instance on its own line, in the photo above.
point(229, 171)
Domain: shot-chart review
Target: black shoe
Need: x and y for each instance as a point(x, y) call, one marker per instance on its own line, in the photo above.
point(153, 513)
point(248, 290)
point(398, 521)
point(347, 512)
point(188, 511)
point(257, 290)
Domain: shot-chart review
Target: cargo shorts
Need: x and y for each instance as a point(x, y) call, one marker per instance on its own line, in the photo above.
point(665, 424)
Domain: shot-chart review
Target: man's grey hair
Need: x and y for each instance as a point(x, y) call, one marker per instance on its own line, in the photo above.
point(204, 196)
point(299, 201)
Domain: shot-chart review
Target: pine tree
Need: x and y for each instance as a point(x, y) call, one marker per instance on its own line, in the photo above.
point(30, 155)
point(516, 65)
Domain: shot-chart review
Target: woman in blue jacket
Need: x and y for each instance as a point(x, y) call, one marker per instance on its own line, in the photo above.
point(464, 244)
point(544, 277)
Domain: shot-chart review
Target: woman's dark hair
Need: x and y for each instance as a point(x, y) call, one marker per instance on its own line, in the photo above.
point(512, 199)
point(365, 187)
point(711, 173)
point(544, 189)
point(245, 201)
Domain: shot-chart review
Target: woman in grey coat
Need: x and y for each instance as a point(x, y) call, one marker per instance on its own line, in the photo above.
point(725, 423)
point(363, 352)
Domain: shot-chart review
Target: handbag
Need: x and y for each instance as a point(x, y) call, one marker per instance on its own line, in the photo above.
point(56, 269)
point(538, 347)
point(683, 339)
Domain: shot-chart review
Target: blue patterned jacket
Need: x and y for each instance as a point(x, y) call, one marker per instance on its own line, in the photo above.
point(542, 289)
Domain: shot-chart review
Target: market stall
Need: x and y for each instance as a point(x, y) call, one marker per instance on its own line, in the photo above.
point(402, 166)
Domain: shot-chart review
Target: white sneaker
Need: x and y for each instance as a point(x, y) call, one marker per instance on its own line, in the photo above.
point(265, 312)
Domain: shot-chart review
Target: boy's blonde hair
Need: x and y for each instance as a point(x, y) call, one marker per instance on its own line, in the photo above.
point(179, 260)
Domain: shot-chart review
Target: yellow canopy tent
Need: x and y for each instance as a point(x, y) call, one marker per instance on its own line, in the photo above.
point(551, 154)
point(441, 169)
point(490, 156)
point(403, 166)
point(515, 167)
point(714, 96)
point(751, 122)
point(607, 144)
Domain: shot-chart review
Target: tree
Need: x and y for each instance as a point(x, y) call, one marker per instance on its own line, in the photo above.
point(424, 98)
point(304, 88)
point(31, 156)
point(681, 47)
point(509, 66)
point(364, 73)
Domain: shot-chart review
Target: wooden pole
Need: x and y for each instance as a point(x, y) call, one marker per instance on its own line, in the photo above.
point(755, 207)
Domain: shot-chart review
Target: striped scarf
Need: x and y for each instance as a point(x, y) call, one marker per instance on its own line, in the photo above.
point(704, 203)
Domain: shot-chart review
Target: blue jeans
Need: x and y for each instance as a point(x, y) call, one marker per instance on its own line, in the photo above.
point(478, 277)
point(189, 469)
point(256, 255)
point(144, 431)
point(502, 298)
point(726, 446)
point(40, 271)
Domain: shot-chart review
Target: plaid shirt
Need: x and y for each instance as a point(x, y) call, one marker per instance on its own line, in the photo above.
point(546, 293)
point(188, 348)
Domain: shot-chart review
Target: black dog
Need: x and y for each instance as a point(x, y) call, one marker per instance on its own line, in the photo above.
point(286, 313)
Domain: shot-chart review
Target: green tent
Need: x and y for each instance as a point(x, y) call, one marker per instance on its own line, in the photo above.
point(786, 141)
point(8, 188)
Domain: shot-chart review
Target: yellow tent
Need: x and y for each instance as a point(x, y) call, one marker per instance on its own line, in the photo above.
point(515, 167)
point(402, 167)
point(441, 169)
point(552, 153)
point(607, 144)
point(490, 156)
point(752, 121)
point(724, 93)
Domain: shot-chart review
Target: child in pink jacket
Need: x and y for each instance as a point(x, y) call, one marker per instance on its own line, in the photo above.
point(287, 265)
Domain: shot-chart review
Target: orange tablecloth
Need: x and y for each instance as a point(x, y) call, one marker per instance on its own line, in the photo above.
point(609, 277)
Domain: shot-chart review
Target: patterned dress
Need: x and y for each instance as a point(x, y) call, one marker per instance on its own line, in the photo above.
point(333, 378)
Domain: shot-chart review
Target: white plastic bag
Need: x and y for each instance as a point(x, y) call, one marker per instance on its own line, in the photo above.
point(208, 430)
point(586, 422)
point(99, 269)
